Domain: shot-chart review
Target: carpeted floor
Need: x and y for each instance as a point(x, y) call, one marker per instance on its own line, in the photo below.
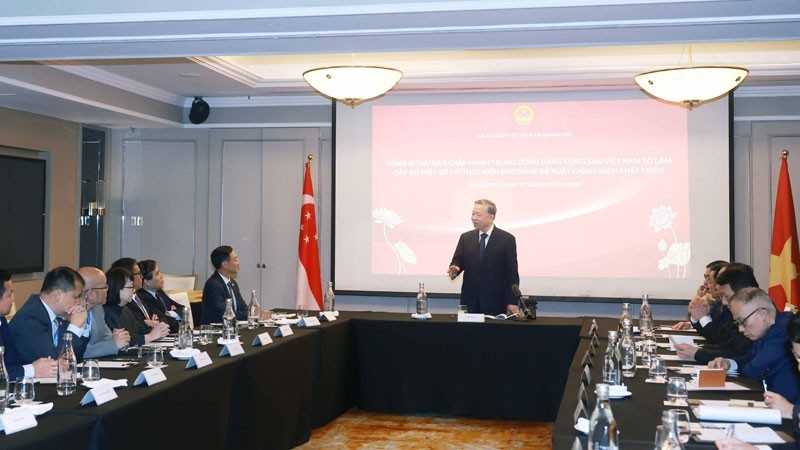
point(358, 429)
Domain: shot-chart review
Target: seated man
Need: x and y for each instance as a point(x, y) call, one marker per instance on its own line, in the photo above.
point(722, 335)
point(144, 319)
point(705, 302)
point(38, 328)
point(768, 360)
point(15, 366)
point(155, 299)
point(777, 401)
point(222, 285)
point(102, 341)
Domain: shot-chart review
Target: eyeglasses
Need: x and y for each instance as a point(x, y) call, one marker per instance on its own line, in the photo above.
point(137, 274)
point(740, 323)
point(99, 288)
point(127, 287)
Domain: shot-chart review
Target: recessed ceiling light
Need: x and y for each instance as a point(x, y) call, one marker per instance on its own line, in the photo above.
point(190, 75)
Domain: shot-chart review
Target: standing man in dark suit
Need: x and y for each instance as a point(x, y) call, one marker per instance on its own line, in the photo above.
point(222, 285)
point(16, 366)
point(488, 257)
point(157, 301)
point(39, 326)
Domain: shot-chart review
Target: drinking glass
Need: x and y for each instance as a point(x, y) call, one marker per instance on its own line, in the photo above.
point(205, 334)
point(676, 390)
point(302, 311)
point(684, 425)
point(462, 309)
point(658, 371)
point(25, 392)
point(155, 357)
point(91, 370)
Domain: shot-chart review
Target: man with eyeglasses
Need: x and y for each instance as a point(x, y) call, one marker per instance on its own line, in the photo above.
point(102, 341)
point(756, 317)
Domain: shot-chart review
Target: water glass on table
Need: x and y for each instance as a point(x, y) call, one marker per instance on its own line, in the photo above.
point(658, 370)
point(206, 333)
point(676, 391)
point(25, 391)
point(91, 370)
point(155, 357)
point(302, 311)
point(684, 425)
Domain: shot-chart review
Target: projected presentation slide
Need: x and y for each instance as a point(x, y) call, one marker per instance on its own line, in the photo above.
point(597, 192)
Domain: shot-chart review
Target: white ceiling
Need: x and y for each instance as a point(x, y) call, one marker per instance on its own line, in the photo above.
point(139, 64)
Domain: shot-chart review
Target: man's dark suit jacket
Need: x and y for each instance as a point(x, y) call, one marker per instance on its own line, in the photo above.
point(723, 338)
point(12, 359)
point(157, 307)
point(214, 294)
point(32, 333)
point(771, 359)
point(486, 287)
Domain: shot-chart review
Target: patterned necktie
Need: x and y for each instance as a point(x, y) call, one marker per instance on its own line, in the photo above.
point(483, 243)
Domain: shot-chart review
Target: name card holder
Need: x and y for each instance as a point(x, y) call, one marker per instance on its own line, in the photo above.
point(471, 318)
point(232, 349)
point(283, 331)
point(18, 419)
point(327, 316)
point(308, 322)
point(150, 377)
point(103, 393)
point(262, 339)
point(199, 361)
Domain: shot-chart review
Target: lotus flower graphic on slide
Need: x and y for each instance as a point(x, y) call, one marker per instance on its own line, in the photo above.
point(402, 252)
point(676, 254)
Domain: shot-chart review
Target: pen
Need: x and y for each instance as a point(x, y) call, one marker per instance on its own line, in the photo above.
point(764, 382)
point(729, 434)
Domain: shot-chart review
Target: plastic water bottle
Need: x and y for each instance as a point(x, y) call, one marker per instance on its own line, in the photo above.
point(329, 303)
point(228, 321)
point(253, 311)
point(185, 331)
point(603, 432)
point(67, 374)
point(422, 300)
point(3, 381)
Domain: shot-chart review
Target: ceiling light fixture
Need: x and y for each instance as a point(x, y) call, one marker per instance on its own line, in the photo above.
point(352, 84)
point(691, 85)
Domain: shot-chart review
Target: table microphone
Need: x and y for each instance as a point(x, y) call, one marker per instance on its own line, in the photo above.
point(523, 307)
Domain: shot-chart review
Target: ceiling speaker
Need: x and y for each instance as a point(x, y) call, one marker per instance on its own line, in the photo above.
point(199, 111)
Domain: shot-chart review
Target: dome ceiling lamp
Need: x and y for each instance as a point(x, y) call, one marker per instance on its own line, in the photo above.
point(352, 85)
point(691, 85)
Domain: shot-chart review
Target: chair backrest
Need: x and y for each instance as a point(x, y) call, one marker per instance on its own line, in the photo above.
point(182, 298)
point(179, 282)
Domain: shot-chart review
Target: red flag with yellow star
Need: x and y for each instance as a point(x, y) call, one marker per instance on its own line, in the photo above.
point(784, 286)
point(309, 280)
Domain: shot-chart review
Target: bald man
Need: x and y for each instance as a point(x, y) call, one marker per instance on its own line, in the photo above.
point(102, 341)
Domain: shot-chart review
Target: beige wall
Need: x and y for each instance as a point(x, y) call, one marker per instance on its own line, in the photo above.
point(62, 140)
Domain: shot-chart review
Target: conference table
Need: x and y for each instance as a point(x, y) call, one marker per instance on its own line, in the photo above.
point(638, 415)
point(273, 396)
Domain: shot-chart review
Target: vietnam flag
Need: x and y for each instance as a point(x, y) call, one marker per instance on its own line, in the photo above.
point(309, 280)
point(784, 286)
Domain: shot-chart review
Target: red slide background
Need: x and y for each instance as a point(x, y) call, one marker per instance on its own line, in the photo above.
point(577, 183)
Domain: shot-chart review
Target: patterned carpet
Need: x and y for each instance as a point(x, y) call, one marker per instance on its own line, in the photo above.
point(358, 429)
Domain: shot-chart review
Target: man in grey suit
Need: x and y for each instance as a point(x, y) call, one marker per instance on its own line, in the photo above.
point(488, 257)
point(102, 341)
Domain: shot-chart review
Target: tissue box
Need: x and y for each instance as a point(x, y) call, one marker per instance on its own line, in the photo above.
point(710, 378)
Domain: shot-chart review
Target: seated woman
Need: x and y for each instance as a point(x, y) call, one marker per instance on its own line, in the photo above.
point(120, 293)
